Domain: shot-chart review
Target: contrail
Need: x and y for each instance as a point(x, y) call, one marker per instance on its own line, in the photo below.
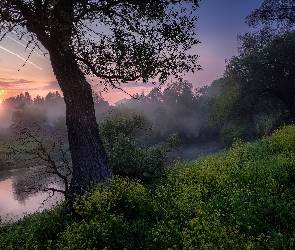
point(43, 57)
point(24, 59)
point(27, 42)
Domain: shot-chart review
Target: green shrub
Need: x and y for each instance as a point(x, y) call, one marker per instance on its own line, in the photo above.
point(119, 135)
point(37, 231)
point(117, 216)
point(243, 198)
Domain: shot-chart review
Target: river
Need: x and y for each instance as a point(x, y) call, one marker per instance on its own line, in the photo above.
point(14, 204)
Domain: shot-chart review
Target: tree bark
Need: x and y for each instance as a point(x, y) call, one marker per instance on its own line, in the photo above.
point(89, 159)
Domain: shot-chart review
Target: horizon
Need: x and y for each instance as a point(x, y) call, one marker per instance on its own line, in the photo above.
point(217, 29)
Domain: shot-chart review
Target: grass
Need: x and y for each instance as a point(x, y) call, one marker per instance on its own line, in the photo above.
point(243, 198)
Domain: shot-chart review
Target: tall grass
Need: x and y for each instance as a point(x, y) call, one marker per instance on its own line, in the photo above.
point(243, 198)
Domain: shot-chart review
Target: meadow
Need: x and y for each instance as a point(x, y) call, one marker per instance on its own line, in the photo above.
point(243, 198)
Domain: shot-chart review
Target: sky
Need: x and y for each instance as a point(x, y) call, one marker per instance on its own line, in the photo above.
point(217, 28)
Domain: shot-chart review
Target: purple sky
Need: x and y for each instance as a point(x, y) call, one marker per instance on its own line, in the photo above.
point(220, 21)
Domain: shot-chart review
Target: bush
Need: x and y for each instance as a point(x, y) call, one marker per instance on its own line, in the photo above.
point(119, 136)
point(115, 217)
point(37, 231)
point(239, 199)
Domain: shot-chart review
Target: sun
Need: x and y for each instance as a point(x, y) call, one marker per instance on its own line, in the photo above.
point(2, 92)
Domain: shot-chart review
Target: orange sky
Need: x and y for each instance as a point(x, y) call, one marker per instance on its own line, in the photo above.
point(219, 24)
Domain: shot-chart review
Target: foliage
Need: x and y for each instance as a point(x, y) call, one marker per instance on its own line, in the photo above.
point(145, 39)
point(141, 40)
point(100, 104)
point(119, 135)
point(36, 231)
point(272, 11)
point(31, 142)
point(29, 126)
point(239, 199)
point(257, 90)
point(178, 109)
point(27, 118)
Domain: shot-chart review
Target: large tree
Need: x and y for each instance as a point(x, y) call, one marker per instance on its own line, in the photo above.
point(281, 12)
point(117, 41)
point(257, 90)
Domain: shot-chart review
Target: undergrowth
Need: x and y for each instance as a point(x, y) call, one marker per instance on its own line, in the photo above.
point(243, 198)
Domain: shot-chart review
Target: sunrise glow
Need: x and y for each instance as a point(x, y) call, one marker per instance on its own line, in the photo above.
point(217, 28)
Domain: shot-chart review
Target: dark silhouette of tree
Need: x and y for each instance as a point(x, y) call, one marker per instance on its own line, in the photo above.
point(52, 97)
point(100, 104)
point(14, 101)
point(274, 11)
point(155, 95)
point(39, 101)
point(257, 91)
point(117, 41)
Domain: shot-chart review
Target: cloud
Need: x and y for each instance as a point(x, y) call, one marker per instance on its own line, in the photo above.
point(51, 85)
point(9, 83)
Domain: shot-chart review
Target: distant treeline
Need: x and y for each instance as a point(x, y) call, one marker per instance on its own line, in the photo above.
point(248, 102)
point(178, 108)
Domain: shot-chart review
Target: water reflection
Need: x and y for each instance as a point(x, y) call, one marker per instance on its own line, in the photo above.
point(18, 197)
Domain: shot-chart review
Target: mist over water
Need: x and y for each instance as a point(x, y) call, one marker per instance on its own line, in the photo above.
point(193, 152)
point(177, 109)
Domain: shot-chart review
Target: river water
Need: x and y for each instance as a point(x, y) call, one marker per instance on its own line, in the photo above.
point(14, 204)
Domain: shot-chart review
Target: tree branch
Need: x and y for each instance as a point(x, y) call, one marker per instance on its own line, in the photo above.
point(109, 77)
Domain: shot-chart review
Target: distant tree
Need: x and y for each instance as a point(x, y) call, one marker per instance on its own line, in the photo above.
point(180, 92)
point(206, 91)
point(155, 95)
point(178, 112)
point(145, 40)
point(53, 98)
point(28, 118)
point(100, 104)
point(39, 101)
point(179, 108)
point(257, 91)
point(12, 102)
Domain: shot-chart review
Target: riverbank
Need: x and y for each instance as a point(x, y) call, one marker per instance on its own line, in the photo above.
point(242, 198)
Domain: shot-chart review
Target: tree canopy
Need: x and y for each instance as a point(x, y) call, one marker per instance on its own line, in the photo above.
point(281, 12)
point(257, 91)
point(117, 41)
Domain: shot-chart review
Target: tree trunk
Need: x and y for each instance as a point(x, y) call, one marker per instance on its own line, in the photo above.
point(89, 160)
point(291, 109)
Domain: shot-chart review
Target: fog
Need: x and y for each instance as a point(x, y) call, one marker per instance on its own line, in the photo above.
point(177, 109)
